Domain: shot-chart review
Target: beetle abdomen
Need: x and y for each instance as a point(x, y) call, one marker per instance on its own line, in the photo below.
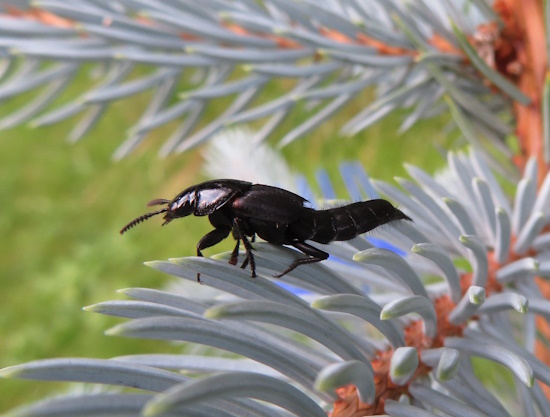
point(347, 222)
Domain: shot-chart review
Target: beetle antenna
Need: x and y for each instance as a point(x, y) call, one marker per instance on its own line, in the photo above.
point(158, 201)
point(140, 219)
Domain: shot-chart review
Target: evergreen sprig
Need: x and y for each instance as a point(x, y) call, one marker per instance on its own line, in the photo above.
point(333, 51)
point(392, 332)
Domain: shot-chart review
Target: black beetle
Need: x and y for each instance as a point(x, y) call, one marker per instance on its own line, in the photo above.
point(278, 216)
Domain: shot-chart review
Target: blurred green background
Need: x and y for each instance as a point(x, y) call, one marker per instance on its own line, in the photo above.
point(63, 205)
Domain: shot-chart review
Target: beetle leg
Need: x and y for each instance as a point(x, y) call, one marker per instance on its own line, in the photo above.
point(316, 255)
point(237, 226)
point(249, 258)
point(235, 254)
point(245, 262)
point(210, 239)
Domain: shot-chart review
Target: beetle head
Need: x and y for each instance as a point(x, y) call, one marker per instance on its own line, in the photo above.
point(199, 200)
point(180, 207)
